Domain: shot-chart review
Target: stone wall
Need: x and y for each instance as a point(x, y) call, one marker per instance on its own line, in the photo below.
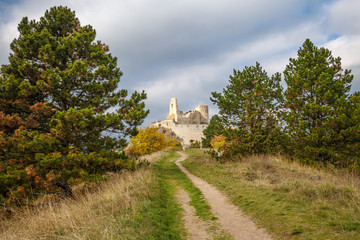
point(186, 132)
point(187, 126)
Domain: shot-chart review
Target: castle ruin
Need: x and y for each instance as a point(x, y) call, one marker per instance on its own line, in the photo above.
point(187, 126)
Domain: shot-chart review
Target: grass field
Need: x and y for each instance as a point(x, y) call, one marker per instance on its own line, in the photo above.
point(131, 205)
point(289, 200)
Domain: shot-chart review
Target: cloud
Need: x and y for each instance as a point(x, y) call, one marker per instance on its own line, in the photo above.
point(193, 84)
point(346, 46)
point(187, 49)
point(343, 17)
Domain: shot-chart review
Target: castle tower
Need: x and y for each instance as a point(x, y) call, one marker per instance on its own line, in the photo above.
point(188, 126)
point(204, 110)
point(174, 111)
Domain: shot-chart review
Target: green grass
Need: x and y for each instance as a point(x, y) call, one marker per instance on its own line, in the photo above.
point(132, 205)
point(171, 174)
point(290, 201)
point(160, 216)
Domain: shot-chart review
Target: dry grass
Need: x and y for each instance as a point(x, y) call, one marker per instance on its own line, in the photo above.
point(103, 213)
point(152, 157)
point(156, 156)
point(291, 200)
point(300, 180)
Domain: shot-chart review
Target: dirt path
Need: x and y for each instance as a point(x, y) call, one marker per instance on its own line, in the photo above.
point(193, 224)
point(229, 216)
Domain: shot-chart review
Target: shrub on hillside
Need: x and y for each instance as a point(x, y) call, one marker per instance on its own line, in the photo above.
point(215, 127)
point(218, 142)
point(195, 144)
point(150, 140)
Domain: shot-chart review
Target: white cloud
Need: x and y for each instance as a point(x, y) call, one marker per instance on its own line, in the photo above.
point(343, 17)
point(187, 49)
point(348, 48)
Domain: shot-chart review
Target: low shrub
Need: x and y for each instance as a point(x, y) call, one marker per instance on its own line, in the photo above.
point(150, 140)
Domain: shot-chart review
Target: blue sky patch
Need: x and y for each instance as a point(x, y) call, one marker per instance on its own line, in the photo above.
point(333, 36)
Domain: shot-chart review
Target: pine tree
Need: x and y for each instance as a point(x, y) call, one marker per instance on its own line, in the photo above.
point(62, 115)
point(343, 129)
point(317, 87)
point(248, 108)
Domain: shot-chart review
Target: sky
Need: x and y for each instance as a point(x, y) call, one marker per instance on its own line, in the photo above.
point(187, 49)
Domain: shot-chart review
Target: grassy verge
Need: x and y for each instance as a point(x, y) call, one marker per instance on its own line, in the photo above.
point(131, 205)
point(289, 200)
point(164, 213)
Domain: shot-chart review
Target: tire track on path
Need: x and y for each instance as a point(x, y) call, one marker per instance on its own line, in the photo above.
point(193, 224)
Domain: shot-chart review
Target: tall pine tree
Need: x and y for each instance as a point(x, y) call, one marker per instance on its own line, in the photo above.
point(317, 89)
point(62, 115)
point(248, 109)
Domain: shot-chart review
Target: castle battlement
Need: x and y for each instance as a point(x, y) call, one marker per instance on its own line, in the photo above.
point(200, 115)
point(187, 126)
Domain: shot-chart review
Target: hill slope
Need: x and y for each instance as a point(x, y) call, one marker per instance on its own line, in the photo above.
point(289, 200)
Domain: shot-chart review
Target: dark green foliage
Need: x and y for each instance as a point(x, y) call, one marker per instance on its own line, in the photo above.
point(343, 129)
point(248, 108)
point(214, 128)
point(55, 97)
point(317, 106)
point(315, 120)
point(195, 144)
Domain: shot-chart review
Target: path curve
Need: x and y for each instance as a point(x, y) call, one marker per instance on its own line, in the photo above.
point(229, 216)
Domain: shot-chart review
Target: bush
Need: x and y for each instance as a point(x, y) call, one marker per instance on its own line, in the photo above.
point(218, 142)
point(150, 140)
point(52, 171)
point(215, 127)
point(195, 144)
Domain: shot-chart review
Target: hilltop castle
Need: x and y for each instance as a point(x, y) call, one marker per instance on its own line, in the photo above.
point(187, 126)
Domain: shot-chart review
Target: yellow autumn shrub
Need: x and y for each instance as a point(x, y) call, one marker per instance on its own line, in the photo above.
point(149, 140)
point(218, 142)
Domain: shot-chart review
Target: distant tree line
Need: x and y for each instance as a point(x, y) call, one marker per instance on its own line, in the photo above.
point(314, 118)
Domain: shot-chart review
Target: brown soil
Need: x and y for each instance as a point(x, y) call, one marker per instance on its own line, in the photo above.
point(229, 216)
point(193, 224)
